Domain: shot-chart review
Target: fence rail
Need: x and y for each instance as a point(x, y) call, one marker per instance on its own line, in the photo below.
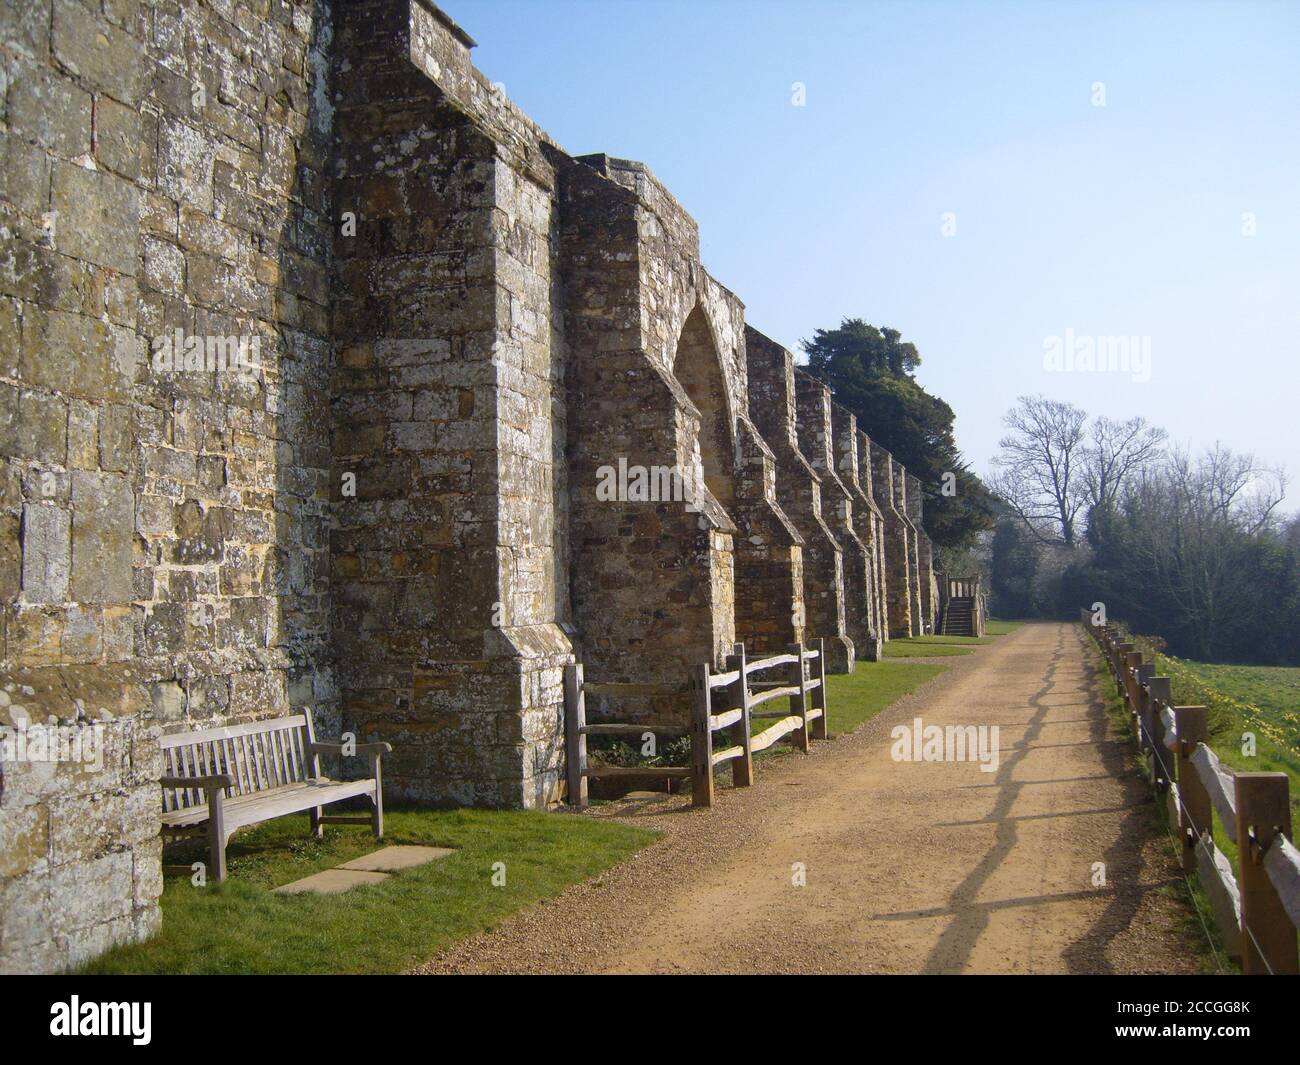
point(1257, 905)
point(722, 702)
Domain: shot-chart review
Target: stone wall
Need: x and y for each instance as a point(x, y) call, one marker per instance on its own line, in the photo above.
point(392, 508)
point(163, 525)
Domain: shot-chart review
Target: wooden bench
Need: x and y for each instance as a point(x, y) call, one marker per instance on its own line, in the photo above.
point(222, 779)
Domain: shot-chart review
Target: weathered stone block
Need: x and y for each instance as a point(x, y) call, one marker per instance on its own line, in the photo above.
point(42, 425)
point(47, 553)
point(101, 538)
point(94, 209)
point(117, 137)
point(25, 914)
point(26, 832)
point(24, 176)
point(104, 55)
point(48, 108)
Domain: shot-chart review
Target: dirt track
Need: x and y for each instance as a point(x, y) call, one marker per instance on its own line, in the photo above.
point(911, 867)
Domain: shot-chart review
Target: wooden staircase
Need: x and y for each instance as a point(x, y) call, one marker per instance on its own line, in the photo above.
point(958, 618)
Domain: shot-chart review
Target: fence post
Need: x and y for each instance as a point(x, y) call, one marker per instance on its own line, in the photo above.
point(821, 728)
point(1268, 943)
point(742, 768)
point(1118, 653)
point(575, 738)
point(1142, 673)
point(799, 703)
point(1194, 801)
point(701, 738)
point(1159, 695)
point(1129, 661)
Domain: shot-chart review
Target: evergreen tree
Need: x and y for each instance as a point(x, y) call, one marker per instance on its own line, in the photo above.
point(870, 372)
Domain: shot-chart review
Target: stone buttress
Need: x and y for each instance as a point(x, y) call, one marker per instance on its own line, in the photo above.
point(773, 406)
point(815, 432)
point(897, 544)
point(881, 583)
point(924, 556)
point(866, 518)
point(915, 613)
point(652, 568)
point(450, 562)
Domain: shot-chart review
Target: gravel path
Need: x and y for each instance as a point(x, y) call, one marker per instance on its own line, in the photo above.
point(910, 867)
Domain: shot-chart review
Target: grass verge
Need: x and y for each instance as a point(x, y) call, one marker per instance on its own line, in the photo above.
point(859, 696)
point(993, 627)
point(927, 647)
point(241, 927)
point(1198, 925)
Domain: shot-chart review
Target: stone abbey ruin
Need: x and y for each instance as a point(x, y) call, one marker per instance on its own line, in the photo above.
point(315, 351)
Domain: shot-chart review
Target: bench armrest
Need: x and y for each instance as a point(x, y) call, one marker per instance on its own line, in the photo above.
point(361, 748)
point(207, 783)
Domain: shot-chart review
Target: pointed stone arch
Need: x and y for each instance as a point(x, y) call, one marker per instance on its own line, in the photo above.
point(697, 365)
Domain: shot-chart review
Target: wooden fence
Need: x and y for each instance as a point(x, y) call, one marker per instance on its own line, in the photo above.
point(1257, 906)
point(725, 702)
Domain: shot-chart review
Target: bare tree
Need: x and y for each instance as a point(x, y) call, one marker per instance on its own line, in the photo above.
point(1117, 450)
point(1191, 526)
point(1040, 471)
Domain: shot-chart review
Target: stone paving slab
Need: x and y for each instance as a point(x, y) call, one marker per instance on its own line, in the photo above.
point(389, 859)
point(331, 882)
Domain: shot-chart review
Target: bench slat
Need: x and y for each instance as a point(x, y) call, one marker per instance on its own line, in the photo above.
point(258, 757)
point(282, 757)
point(169, 794)
point(267, 743)
point(273, 752)
point(259, 754)
point(276, 724)
point(265, 805)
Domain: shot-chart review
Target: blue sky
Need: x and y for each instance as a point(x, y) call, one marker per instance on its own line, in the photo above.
point(1118, 220)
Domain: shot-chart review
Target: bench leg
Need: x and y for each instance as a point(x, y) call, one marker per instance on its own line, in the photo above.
point(317, 829)
point(217, 849)
point(378, 802)
point(216, 835)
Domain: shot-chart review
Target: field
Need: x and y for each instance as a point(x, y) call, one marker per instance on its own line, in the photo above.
point(1262, 700)
point(1245, 702)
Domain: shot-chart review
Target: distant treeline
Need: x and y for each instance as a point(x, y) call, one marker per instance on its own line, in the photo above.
point(1189, 548)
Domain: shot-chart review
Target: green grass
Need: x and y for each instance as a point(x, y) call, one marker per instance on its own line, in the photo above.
point(927, 647)
point(1262, 700)
point(1198, 917)
point(241, 927)
point(993, 627)
point(858, 696)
